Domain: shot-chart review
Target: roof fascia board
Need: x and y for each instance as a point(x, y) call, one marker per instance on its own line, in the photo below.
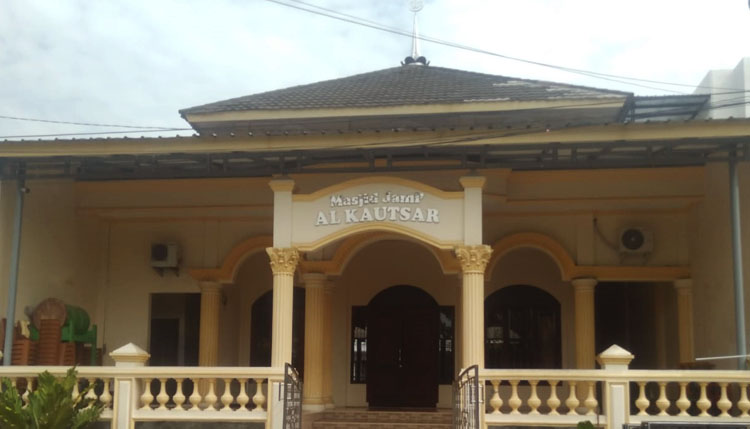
point(467, 107)
point(667, 131)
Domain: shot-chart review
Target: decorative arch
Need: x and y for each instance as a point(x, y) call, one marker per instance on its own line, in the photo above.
point(385, 227)
point(234, 259)
point(352, 244)
point(538, 241)
point(570, 270)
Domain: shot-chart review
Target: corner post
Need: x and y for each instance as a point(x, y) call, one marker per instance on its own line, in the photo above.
point(583, 290)
point(126, 388)
point(684, 289)
point(315, 342)
point(208, 336)
point(473, 260)
point(616, 391)
point(283, 264)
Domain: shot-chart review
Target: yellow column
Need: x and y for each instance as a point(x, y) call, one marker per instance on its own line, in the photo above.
point(283, 264)
point(584, 322)
point(208, 354)
point(312, 390)
point(473, 261)
point(684, 289)
point(327, 345)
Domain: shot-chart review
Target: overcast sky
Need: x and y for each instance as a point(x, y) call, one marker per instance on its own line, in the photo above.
point(137, 62)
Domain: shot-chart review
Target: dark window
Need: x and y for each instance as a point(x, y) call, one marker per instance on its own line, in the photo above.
point(522, 329)
point(260, 330)
point(174, 327)
point(447, 345)
point(446, 348)
point(359, 344)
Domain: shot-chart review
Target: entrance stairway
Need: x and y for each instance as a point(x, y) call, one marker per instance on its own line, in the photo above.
point(345, 418)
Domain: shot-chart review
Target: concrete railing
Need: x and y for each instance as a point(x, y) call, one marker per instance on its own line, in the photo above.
point(614, 395)
point(132, 392)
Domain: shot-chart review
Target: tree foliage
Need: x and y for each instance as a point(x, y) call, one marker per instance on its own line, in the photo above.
point(51, 406)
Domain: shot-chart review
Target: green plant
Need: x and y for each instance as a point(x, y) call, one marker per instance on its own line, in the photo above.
point(586, 424)
point(50, 406)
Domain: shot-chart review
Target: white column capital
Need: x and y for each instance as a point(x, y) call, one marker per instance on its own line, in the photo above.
point(473, 258)
point(283, 259)
point(208, 286)
point(584, 283)
point(472, 181)
point(314, 280)
point(683, 285)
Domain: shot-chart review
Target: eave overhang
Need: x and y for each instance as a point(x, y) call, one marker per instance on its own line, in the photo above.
point(602, 146)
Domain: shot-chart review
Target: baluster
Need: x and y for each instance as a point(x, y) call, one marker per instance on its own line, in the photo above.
point(210, 397)
point(724, 403)
point(572, 402)
point(106, 397)
point(258, 399)
point(553, 401)
point(496, 402)
point(534, 401)
point(683, 403)
point(91, 394)
point(179, 397)
point(27, 391)
point(162, 397)
point(591, 403)
point(703, 403)
point(743, 404)
point(146, 396)
point(226, 397)
point(242, 398)
point(662, 402)
point(515, 400)
point(76, 392)
point(195, 397)
point(642, 402)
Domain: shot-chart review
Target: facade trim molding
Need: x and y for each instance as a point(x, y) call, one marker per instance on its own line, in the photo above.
point(228, 269)
point(353, 244)
point(570, 270)
point(378, 180)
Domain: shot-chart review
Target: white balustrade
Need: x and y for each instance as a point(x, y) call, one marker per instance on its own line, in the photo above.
point(176, 389)
point(551, 397)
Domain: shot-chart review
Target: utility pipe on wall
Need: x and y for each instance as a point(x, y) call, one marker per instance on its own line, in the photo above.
point(739, 296)
point(10, 314)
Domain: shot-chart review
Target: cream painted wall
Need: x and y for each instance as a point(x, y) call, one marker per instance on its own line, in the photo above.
point(710, 247)
point(58, 249)
point(93, 241)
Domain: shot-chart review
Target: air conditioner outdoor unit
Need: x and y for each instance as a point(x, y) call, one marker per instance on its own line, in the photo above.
point(165, 255)
point(636, 240)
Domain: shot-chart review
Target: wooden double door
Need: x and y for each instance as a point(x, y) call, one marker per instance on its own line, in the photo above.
point(402, 362)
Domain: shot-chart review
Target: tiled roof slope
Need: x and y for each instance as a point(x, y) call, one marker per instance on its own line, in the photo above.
point(406, 85)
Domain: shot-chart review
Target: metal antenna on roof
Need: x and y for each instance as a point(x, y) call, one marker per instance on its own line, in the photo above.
point(415, 6)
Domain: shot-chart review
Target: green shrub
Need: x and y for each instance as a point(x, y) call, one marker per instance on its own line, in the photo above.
point(51, 405)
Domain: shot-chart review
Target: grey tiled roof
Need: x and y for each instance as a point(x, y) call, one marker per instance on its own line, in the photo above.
point(406, 85)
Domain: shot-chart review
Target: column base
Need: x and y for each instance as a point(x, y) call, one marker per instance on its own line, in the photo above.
point(313, 408)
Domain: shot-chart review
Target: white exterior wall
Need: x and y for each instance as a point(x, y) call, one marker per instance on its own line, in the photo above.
point(725, 87)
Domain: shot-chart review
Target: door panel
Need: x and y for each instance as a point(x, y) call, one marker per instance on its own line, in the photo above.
point(383, 352)
point(403, 335)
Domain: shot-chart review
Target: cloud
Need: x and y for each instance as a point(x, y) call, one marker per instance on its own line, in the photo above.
point(139, 61)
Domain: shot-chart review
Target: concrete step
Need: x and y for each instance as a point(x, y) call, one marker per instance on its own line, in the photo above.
point(360, 418)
